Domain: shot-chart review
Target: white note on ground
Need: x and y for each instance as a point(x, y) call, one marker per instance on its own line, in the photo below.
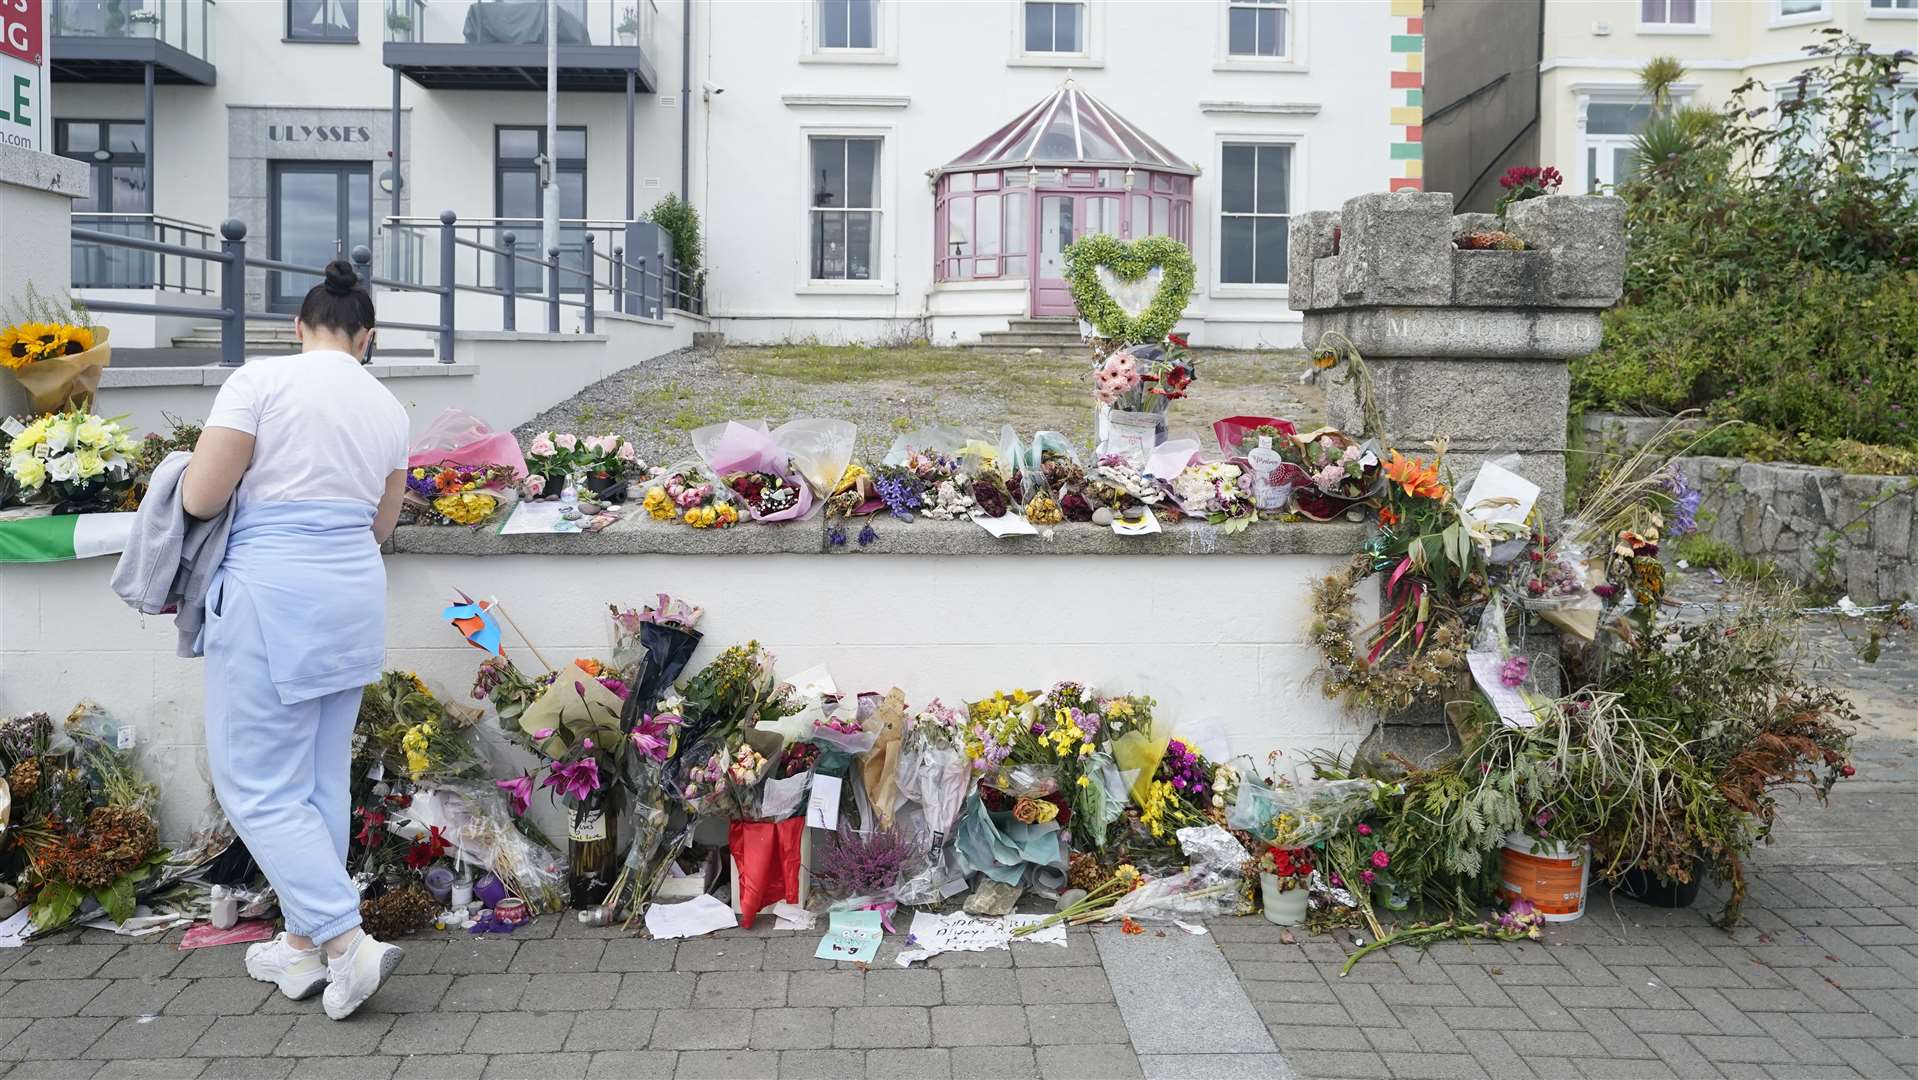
point(703, 914)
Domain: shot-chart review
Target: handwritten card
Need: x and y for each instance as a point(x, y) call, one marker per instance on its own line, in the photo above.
point(1514, 706)
point(852, 937)
point(822, 809)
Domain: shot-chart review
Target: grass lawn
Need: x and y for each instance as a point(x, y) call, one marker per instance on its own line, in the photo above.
point(888, 391)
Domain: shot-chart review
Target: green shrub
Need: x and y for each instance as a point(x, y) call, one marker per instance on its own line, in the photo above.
point(681, 222)
point(1822, 357)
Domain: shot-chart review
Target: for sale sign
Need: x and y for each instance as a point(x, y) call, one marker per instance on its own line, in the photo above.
point(23, 74)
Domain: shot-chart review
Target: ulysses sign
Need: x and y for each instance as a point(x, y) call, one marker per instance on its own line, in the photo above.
point(335, 133)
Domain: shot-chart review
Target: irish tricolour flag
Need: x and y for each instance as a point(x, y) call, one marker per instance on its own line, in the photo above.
point(64, 536)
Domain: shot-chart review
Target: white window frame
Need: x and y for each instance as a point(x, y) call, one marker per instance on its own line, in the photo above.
point(1699, 26)
point(885, 36)
point(1297, 21)
point(1804, 18)
point(1093, 32)
point(1577, 178)
point(1872, 12)
point(885, 185)
point(1213, 206)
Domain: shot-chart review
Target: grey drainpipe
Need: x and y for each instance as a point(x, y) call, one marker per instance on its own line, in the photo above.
point(686, 103)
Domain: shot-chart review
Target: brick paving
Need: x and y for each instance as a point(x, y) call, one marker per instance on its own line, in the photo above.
point(1821, 982)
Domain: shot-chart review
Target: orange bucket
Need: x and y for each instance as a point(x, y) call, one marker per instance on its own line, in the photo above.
point(1552, 876)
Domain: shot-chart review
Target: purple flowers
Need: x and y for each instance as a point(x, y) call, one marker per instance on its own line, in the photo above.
point(867, 535)
point(573, 779)
point(1685, 500)
point(1181, 766)
point(900, 495)
point(519, 792)
point(1515, 670)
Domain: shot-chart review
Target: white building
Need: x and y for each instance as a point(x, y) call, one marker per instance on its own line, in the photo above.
point(1265, 107)
point(815, 128)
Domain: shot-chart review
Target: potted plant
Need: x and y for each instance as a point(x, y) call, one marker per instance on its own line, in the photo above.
point(629, 26)
point(400, 24)
point(551, 460)
point(1283, 876)
point(143, 23)
point(605, 460)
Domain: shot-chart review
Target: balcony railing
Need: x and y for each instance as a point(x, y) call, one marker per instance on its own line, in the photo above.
point(608, 281)
point(519, 22)
point(501, 44)
point(108, 32)
point(113, 266)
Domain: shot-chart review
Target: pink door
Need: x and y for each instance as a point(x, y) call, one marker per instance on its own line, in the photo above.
point(1061, 218)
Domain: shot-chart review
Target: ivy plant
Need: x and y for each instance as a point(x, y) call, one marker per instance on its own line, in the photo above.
point(1129, 262)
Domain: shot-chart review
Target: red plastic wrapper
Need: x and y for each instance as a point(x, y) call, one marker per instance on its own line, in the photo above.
point(1232, 429)
point(766, 858)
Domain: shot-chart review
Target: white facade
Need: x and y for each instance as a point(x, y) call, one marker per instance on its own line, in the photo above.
point(940, 77)
point(1320, 86)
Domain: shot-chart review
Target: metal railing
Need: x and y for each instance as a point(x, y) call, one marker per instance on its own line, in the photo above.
point(636, 288)
point(186, 25)
point(98, 266)
point(470, 22)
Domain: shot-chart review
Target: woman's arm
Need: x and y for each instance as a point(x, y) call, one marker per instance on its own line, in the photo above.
point(389, 512)
point(219, 460)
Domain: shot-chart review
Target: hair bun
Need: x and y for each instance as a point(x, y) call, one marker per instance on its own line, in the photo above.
point(341, 279)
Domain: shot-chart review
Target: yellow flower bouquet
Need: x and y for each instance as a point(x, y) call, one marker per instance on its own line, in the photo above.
point(79, 461)
point(56, 353)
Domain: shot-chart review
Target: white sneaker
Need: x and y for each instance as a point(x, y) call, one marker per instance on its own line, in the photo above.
point(298, 973)
point(353, 977)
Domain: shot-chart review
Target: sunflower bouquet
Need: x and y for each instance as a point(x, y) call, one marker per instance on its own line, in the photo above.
point(79, 461)
point(55, 351)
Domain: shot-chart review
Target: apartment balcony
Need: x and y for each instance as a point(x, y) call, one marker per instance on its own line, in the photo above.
point(117, 41)
point(501, 44)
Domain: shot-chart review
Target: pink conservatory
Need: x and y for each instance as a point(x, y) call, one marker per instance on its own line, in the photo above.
point(1085, 169)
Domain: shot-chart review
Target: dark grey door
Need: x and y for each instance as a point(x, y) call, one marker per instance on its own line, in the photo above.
point(321, 211)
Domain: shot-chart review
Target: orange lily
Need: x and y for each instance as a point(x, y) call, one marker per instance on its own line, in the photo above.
point(1419, 480)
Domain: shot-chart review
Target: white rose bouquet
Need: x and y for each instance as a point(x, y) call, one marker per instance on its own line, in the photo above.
point(80, 461)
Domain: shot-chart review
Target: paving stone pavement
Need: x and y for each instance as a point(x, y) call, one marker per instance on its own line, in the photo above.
point(1821, 982)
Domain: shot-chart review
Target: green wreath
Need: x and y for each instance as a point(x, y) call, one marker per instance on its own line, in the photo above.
point(1130, 262)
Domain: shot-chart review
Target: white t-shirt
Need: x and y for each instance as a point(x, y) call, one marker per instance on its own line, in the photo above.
point(322, 427)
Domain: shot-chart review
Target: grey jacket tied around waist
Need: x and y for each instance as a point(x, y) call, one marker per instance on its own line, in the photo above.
point(171, 557)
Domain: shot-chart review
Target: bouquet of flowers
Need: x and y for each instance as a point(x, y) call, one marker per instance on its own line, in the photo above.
point(1292, 866)
point(453, 494)
point(721, 776)
point(1214, 491)
point(1237, 435)
point(81, 817)
point(1341, 471)
point(854, 494)
point(1144, 378)
point(55, 352)
point(687, 493)
point(755, 467)
point(78, 460)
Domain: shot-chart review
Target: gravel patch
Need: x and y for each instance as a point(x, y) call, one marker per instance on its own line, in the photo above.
point(887, 391)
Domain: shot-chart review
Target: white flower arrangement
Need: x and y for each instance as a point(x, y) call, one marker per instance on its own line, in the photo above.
point(75, 453)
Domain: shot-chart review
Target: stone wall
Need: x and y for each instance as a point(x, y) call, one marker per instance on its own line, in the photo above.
point(1820, 526)
point(1472, 347)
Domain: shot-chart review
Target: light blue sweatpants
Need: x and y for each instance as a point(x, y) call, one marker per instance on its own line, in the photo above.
point(281, 771)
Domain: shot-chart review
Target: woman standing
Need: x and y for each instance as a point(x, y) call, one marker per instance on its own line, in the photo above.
point(312, 450)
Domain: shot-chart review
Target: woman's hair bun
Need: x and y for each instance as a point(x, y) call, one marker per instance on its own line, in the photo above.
point(341, 279)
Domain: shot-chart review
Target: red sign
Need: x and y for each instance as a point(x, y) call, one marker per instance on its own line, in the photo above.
point(20, 30)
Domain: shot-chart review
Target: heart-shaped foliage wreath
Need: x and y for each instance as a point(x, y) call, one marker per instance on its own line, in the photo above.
point(1130, 262)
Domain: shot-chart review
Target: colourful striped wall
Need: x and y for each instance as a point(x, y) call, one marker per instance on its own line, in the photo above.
point(1408, 76)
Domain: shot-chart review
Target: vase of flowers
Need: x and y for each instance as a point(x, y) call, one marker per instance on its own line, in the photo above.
point(1284, 874)
point(1134, 388)
point(76, 460)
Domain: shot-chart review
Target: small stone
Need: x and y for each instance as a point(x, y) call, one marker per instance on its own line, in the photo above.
point(1035, 352)
point(1102, 516)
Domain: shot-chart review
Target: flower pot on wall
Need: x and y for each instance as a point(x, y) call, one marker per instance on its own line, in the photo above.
point(1132, 435)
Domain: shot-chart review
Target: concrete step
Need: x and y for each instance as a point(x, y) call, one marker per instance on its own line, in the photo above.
point(1047, 324)
point(1009, 340)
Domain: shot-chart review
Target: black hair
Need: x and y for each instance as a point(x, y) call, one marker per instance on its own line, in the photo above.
point(340, 303)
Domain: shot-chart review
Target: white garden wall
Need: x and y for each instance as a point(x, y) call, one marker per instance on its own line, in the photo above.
point(504, 378)
point(1219, 639)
